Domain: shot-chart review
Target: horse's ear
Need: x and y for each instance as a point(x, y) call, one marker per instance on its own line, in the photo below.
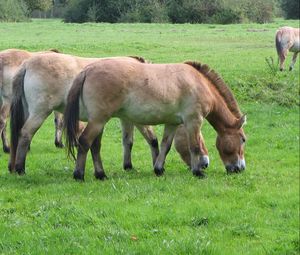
point(241, 121)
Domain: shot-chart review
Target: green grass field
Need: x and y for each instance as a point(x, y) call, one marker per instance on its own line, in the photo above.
point(256, 212)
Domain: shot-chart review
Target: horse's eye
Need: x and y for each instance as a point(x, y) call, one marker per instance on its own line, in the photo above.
point(243, 140)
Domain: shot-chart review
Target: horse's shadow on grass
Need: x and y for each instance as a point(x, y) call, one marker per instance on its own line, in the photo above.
point(43, 178)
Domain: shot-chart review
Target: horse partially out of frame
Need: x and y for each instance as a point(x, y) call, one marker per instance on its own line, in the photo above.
point(287, 39)
point(10, 61)
point(41, 86)
point(150, 94)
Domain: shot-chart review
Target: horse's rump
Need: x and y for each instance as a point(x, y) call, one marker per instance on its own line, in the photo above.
point(278, 44)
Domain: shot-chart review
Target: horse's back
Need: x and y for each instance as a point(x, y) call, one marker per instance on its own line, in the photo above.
point(142, 92)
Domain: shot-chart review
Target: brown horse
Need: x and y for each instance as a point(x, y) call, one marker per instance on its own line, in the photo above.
point(41, 86)
point(10, 61)
point(287, 39)
point(150, 94)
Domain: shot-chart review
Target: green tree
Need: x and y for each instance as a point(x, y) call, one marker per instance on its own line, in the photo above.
point(13, 10)
point(40, 5)
point(291, 8)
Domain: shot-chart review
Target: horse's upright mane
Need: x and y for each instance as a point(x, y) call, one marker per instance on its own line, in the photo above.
point(140, 59)
point(219, 84)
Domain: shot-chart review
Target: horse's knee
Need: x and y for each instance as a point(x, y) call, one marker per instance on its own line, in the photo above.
point(83, 145)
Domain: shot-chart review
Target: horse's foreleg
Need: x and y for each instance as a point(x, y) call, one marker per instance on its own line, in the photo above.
point(293, 60)
point(204, 158)
point(194, 139)
point(86, 139)
point(149, 135)
point(165, 147)
point(30, 127)
point(4, 112)
point(95, 151)
point(127, 133)
point(59, 123)
point(182, 147)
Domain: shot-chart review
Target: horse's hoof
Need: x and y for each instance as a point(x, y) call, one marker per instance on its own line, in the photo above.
point(20, 171)
point(59, 145)
point(159, 171)
point(127, 166)
point(280, 69)
point(100, 176)
point(78, 175)
point(200, 174)
point(6, 149)
point(291, 69)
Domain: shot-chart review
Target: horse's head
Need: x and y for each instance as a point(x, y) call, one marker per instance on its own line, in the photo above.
point(230, 145)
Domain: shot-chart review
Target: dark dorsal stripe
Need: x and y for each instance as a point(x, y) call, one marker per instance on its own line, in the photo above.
point(219, 84)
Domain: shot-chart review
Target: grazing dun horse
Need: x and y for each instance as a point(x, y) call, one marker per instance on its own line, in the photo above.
point(41, 86)
point(287, 39)
point(10, 61)
point(150, 94)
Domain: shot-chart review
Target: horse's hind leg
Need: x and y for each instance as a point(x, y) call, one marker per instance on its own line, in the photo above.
point(59, 123)
point(293, 60)
point(95, 150)
point(150, 137)
point(32, 124)
point(127, 133)
point(282, 57)
point(4, 111)
point(165, 147)
point(86, 139)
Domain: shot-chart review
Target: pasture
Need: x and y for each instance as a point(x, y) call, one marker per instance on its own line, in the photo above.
point(256, 212)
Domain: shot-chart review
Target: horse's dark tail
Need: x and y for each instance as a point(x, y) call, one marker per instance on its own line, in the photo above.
point(71, 114)
point(279, 47)
point(17, 114)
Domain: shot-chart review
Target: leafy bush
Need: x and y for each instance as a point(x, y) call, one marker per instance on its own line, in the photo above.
point(175, 11)
point(291, 8)
point(77, 11)
point(13, 10)
point(259, 12)
point(226, 16)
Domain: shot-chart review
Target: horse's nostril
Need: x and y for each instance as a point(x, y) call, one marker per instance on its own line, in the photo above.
point(204, 165)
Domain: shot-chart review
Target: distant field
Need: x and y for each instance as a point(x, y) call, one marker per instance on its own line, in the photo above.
point(257, 212)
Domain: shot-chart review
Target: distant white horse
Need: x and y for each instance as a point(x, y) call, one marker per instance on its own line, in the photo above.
point(287, 39)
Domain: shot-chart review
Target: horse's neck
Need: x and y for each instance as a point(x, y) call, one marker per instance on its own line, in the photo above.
point(220, 117)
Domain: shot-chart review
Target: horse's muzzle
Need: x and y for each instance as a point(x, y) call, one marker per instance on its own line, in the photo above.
point(237, 167)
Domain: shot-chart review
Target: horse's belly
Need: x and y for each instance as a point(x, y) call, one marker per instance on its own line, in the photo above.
point(295, 47)
point(150, 115)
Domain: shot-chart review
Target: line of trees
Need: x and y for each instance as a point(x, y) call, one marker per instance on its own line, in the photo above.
point(174, 11)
